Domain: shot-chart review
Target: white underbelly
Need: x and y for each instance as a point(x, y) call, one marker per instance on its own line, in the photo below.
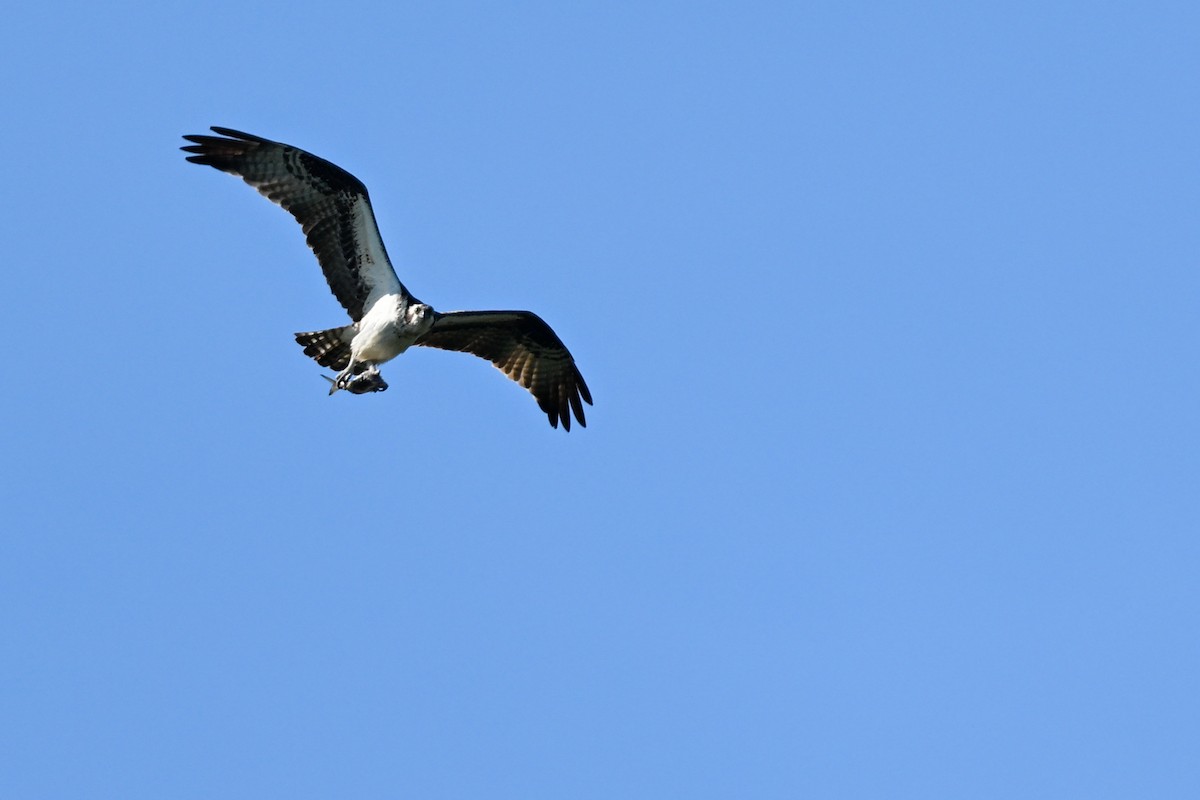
point(378, 345)
point(380, 337)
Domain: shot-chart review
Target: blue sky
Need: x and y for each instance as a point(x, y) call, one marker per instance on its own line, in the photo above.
point(889, 490)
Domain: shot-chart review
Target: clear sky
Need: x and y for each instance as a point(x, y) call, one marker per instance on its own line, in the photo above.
point(889, 491)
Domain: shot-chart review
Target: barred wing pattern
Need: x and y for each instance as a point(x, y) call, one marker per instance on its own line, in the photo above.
point(335, 212)
point(525, 349)
point(329, 203)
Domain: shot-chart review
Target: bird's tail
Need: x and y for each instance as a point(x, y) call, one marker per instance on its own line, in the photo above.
point(330, 348)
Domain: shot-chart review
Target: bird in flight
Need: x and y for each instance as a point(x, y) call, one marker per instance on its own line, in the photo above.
point(334, 210)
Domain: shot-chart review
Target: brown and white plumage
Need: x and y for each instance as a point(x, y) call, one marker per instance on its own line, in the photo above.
point(335, 212)
point(525, 349)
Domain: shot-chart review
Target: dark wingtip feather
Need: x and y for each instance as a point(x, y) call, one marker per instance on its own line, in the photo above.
point(583, 388)
point(202, 141)
point(577, 407)
point(569, 398)
point(235, 134)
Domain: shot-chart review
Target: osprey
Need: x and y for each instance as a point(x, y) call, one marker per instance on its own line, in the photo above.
point(333, 208)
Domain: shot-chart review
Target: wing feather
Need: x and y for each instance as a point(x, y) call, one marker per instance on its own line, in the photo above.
point(525, 349)
point(331, 205)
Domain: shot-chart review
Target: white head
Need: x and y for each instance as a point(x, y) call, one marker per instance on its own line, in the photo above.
point(419, 316)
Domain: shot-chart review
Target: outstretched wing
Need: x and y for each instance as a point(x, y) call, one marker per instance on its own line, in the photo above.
point(329, 203)
point(525, 349)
